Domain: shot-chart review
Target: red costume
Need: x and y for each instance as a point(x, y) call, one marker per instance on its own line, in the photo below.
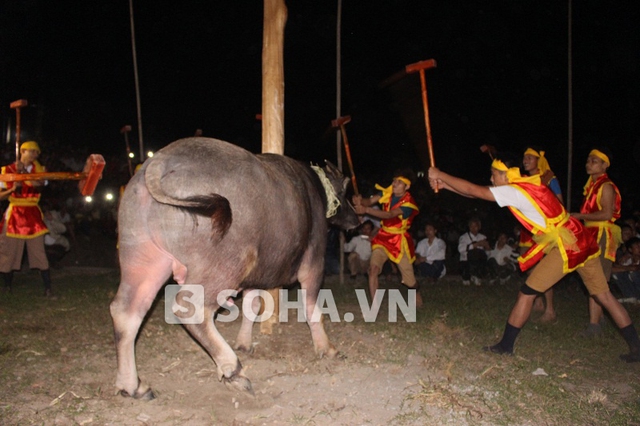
point(23, 218)
point(575, 243)
point(394, 236)
point(592, 203)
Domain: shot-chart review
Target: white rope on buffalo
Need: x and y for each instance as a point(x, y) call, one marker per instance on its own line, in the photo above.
point(332, 199)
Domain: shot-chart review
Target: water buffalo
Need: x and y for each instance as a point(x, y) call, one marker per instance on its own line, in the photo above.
point(214, 214)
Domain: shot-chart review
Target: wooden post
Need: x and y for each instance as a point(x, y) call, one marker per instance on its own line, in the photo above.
point(275, 18)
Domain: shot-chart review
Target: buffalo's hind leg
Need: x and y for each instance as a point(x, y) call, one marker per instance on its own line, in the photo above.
point(141, 277)
point(227, 363)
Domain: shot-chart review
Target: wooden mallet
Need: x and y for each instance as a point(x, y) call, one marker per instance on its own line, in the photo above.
point(20, 103)
point(420, 67)
point(340, 122)
point(88, 178)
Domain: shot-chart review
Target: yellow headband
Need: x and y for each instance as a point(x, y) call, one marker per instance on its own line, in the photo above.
point(30, 145)
point(499, 165)
point(403, 179)
point(531, 151)
point(601, 155)
point(513, 173)
point(387, 192)
point(543, 164)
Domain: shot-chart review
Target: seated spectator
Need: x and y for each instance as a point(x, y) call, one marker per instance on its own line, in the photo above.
point(56, 245)
point(627, 232)
point(473, 247)
point(633, 223)
point(502, 260)
point(626, 273)
point(359, 249)
point(430, 254)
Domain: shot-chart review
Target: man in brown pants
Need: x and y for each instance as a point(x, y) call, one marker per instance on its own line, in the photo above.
point(561, 245)
point(22, 223)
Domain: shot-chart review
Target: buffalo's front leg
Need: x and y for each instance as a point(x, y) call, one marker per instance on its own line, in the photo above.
point(141, 279)
point(244, 340)
point(310, 280)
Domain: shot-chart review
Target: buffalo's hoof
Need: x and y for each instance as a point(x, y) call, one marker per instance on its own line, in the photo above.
point(242, 348)
point(147, 395)
point(330, 352)
point(239, 384)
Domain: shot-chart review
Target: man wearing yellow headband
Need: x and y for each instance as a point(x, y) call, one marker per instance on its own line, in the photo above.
point(393, 241)
point(535, 163)
point(22, 223)
point(601, 207)
point(561, 245)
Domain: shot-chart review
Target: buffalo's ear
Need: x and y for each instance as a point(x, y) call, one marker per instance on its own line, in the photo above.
point(332, 170)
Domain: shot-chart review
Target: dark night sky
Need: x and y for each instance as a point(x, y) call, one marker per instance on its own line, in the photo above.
point(501, 77)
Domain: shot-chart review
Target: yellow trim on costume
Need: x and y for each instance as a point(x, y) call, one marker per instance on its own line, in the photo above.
point(27, 237)
point(614, 239)
point(601, 155)
point(24, 202)
point(403, 251)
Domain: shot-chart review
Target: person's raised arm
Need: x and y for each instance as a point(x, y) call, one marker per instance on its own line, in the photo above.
point(441, 180)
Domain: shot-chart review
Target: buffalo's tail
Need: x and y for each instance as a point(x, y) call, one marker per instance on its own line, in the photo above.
point(214, 206)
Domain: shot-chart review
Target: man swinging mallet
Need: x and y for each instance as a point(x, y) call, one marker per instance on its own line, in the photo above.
point(561, 245)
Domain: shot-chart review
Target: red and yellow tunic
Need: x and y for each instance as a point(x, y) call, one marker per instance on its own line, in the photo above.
point(526, 239)
point(575, 242)
point(592, 203)
point(23, 216)
point(394, 236)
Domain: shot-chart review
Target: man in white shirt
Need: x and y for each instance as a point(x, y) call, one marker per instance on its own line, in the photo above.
point(430, 254)
point(359, 249)
point(502, 259)
point(561, 245)
point(473, 247)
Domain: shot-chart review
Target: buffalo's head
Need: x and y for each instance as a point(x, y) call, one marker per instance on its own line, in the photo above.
point(345, 216)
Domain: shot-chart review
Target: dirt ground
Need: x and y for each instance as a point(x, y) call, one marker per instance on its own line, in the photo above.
point(60, 374)
point(58, 367)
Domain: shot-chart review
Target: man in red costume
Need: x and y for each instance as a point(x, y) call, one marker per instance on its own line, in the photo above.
point(562, 244)
point(22, 223)
point(600, 209)
point(392, 242)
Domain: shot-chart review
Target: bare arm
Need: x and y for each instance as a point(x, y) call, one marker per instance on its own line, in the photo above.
point(4, 194)
point(442, 180)
point(606, 213)
point(380, 214)
point(365, 202)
